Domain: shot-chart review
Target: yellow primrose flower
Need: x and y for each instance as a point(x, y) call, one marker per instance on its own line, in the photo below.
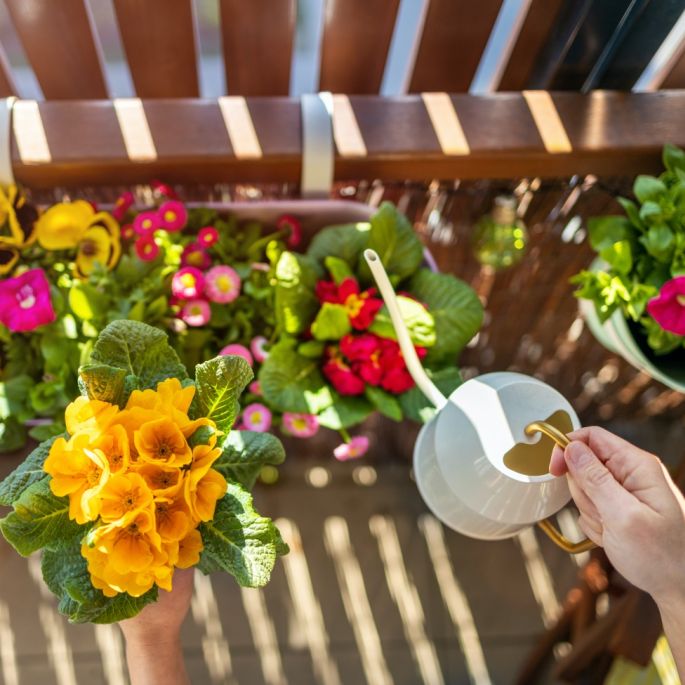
point(78, 472)
point(89, 416)
point(161, 442)
point(123, 496)
point(98, 243)
point(163, 481)
point(115, 446)
point(204, 485)
point(189, 549)
point(62, 226)
point(173, 518)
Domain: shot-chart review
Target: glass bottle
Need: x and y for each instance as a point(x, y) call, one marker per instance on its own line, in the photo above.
point(500, 238)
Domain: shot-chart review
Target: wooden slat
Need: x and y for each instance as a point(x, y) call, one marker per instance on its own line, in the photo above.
point(356, 40)
point(676, 77)
point(7, 86)
point(159, 41)
point(394, 139)
point(59, 43)
point(454, 36)
point(258, 45)
point(535, 32)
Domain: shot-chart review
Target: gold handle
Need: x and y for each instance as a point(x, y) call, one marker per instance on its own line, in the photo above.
point(546, 526)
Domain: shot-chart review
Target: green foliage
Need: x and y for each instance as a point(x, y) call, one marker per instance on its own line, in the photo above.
point(345, 412)
point(640, 251)
point(414, 404)
point(240, 541)
point(384, 402)
point(345, 242)
point(419, 321)
point(331, 323)
point(219, 383)
point(294, 299)
point(102, 382)
point(244, 453)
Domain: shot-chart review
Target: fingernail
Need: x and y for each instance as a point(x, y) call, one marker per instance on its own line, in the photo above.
point(577, 452)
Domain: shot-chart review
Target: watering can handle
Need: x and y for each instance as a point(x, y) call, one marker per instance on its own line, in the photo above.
point(546, 526)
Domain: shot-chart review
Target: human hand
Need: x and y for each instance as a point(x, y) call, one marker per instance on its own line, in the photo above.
point(629, 506)
point(153, 645)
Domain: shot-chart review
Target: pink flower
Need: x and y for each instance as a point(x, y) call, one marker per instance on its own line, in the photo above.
point(238, 351)
point(146, 223)
point(122, 205)
point(257, 347)
point(207, 236)
point(668, 308)
point(300, 425)
point(188, 283)
point(25, 301)
point(355, 448)
point(196, 313)
point(195, 255)
point(222, 284)
point(128, 232)
point(172, 215)
point(256, 417)
point(255, 388)
point(146, 248)
point(293, 227)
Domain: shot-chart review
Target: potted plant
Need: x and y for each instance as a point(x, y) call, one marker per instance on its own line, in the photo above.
point(633, 295)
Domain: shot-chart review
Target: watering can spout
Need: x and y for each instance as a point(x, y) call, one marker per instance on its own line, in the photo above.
point(411, 359)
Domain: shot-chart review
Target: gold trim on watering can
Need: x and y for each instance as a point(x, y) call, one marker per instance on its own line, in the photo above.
point(546, 526)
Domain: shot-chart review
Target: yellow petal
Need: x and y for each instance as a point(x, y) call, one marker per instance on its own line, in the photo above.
point(62, 226)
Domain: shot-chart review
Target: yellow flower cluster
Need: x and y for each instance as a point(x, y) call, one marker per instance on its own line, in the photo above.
point(135, 475)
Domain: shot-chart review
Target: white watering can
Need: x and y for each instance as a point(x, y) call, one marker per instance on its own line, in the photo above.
point(481, 463)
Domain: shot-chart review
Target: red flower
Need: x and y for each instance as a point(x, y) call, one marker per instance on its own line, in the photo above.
point(364, 352)
point(294, 228)
point(163, 190)
point(361, 307)
point(341, 376)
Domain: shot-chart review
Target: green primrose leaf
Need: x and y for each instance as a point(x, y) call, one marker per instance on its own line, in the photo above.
point(648, 188)
point(26, 474)
point(345, 242)
point(102, 382)
point(219, 383)
point(455, 308)
point(331, 323)
point(240, 541)
point(86, 301)
point(392, 237)
point(312, 349)
point(345, 412)
point(40, 519)
point(142, 351)
point(338, 268)
point(295, 301)
point(387, 404)
point(414, 404)
point(418, 319)
point(244, 453)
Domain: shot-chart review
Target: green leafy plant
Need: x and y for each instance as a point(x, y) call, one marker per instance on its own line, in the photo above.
point(642, 256)
point(149, 464)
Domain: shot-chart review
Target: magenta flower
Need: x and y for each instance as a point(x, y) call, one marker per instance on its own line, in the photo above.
point(355, 448)
point(222, 284)
point(188, 283)
point(668, 309)
point(195, 255)
point(163, 190)
point(300, 425)
point(207, 236)
point(172, 215)
point(25, 301)
point(122, 205)
point(256, 417)
point(196, 313)
point(238, 351)
point(146, 248)
point(293, 227)
point(255, 388)
point(146, 223)
point(259, 342)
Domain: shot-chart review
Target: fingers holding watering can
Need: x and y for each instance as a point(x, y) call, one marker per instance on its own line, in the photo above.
point(591, 529)
point(584, 503)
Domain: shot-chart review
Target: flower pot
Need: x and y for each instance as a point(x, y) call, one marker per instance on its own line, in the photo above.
point(616, 335)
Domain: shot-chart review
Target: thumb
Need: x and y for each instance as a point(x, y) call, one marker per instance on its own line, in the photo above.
point(596, 481)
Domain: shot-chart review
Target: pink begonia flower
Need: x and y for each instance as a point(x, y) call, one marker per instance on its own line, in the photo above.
point(172, 215)
point(207, 236)
point(222, 284)
point(195, 255)
point(122, 205)
point(188, 283)
point(196, 313)
point(355, 448)
point(146, 248)
point(300, 425)
point(128, 232)
point(668, 309)
point(256, 417)
point(238, 351)
point(294, 228)
point(146, 223)
point(255, 388)
point(257, 347)
point(25, 301)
